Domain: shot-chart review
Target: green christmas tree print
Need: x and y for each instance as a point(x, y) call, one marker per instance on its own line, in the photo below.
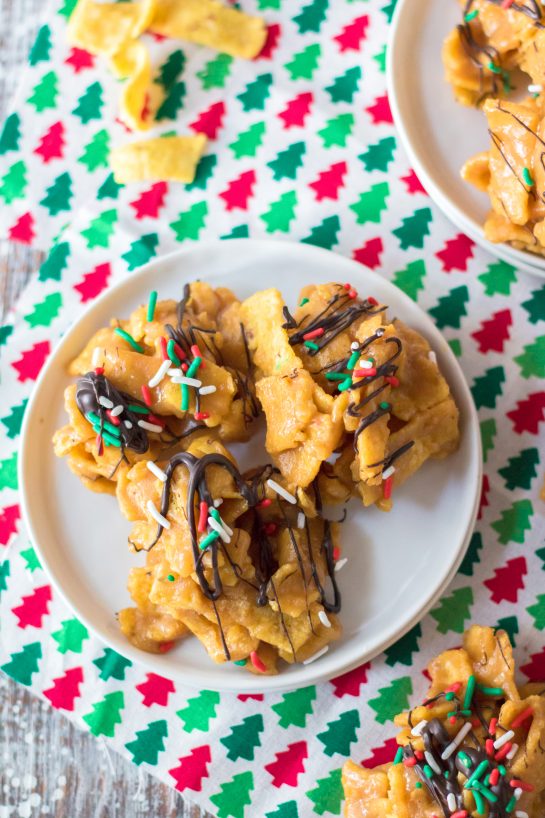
point(456, 346)
point(13, 421)
point(173, 102)
point(304, 64)
point(100, 230)
point(67, 7)
point(241, 231)
point(44, 93)
point(537, 612)
point(453, 611)
point(147, 745)
point(471, 557)
point(45, 311)
point(5, 332)
point(112, 665)
point(514, 522)
point(141, 251)
point(190, 222)
point(324, 234)
point(345, 87)
point(451, 308)
point(11, 134)
point(389, 10)
point(268, 4)
point(511, 626)
point(71, 636)
point(380, 59)
point(288, 161)
point(41, 49)
point(340, 734)
point(392, 699)
point(401, 652)
point(23, 665)
point(488, 433)
point(520, 470)
point(535, 306)
point(532, 360)
point(286, 810)
point(105, 714)
point(4, 574)
point(199, 711)
point(311, 16)
point(328, 794)
point(55, 263)
point(234, 796)
point(378, 157)
point(498, 279)
point(171, 69)
point(411, 279)
point(90, 103)
point(109, 189)
point(247, 142)
point(244, 738)
point(414, 229)
point(295, 707)
point(32, 563)
point(215, 72)
point(255, 95)
point(488, 387)
point(95, 153)
point(14, 182)
point(371, 204)
point(8, 472)
point(58, 195)
point(336, 131)
point(281, 213)
point(205, 170)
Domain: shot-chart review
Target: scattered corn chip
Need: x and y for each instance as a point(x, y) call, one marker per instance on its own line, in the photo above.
point(133, 62)
point(173, 158)
point(104, 28)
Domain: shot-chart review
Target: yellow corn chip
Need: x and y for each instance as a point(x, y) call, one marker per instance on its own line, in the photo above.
point(104, 28)
point(133, 62)
point(210, 23)
point(173, 158)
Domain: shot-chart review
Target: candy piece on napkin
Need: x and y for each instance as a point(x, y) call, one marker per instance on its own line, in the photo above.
point(173, 158)
point(105, 28)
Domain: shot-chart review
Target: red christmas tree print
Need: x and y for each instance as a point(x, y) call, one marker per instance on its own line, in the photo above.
point(23, 229)
point(155, 690)
point(80, 59)
point(191, 770)
point(31, 361)
point(9, 517)
point(239, 191)
point(349, 683)
point(297, 110)
point(494, 332)
point(380, 111)
point(507, 581)
point(150, 201)
point(456, 253)
point(528, 414)
point(369, 253)
point(329, 182)
point(243, 697)
point(412, 183)
point(33, 608)
point(353, 34)
point(381, 755)
point(535, 669)
point(210, 121)
point(271, 43)
point(483, 502)
point(51, 145)
point(289, 764)
point(65, 689)
point(94, 282)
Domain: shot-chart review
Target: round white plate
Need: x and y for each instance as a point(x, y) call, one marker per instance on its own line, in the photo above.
point(438, 133)
point(398, 563)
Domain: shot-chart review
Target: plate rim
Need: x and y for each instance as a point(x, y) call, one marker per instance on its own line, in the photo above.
point(306, 674)
point(535, 265)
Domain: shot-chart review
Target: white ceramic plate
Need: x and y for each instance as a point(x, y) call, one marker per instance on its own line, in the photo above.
point(438, 133)
point(398, 563)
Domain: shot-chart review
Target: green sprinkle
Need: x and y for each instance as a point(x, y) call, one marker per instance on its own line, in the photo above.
point(527, 176)
point(479, 803)
point(398, 756)
point(418, 785)
point(138, 410)
point(95, 420)
point(464, 713)
point(215, 514)
point(241, 662)
point(502, 769)
point(470, 689)
point(184, 406)
point(371, 361)
point(488, 794)
point(194, 365)
point(129, 339)
point(494, 68)
point(171, 353)
point(428, 772)
point(346, 384)
point(490, 691)
point(471, 15)
point(476, 774)
point(171, 578)
point(208, 540)
point(353, 360)
point(335, 376)
point(151, 305)
point(464, 758)
point(510, 806)
point(446, 773)
point(111, 440)
point(449, 696)
point(384, 405)
point(452, 713)
point(304, 301)
point(311, 345)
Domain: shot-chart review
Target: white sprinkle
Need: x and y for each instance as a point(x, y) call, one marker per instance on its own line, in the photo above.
point(96, 357)
point(149, 427)
point(340, 564)
point(451, 802)
point(388, 472)
point(457, 740)
point(503, 739)
point(300, 520)
point(207, 390)
point(432, 762)
point(272, 484)
point(157, 516)
point(365, 364)
point(117, 410)
point(322, 616)
point(218, 502)
point(174, 372)
point(316, 655)
point(354, 346)
point(106, 402)
point(128, 424)
point(187, 381)
point(535, 89)
point(219, 528)
point(521, 814)
point(517, 793)
point(432, 356)
point(417, 731)
point(154, 469)
point(159, 375)
point(512, 752)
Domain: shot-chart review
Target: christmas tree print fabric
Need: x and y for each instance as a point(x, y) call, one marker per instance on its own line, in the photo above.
point(302, 147)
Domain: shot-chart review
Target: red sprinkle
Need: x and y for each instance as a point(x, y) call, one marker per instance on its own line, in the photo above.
point(184, 367)
point(347, 286)
point(179, 352)
point(475, 722)
point(494, 777)
point(410, 761)
point(454, 688)
point(203, 516)
point(460, 813)
point(271, 528)
point(372, 301)
point(155, 419)
point(352, 294)
point(392, 380)
point(452, 719)
point(163, 346)
point(419, 755)
point(507, 4)
point(146, 394)
point(112, 418)
point(257, 663)
point(99, 370)
point(522, 717)
point(365, 373)
point(264, 503)
point(315, 333)
point(492, 726)
point(387, 487)
point(201, 415)
point(336, 553)
point(195, 351)
point(100, 445)
point(500, 755)
point(489, 744)
point(164, 647)
point(523, 785)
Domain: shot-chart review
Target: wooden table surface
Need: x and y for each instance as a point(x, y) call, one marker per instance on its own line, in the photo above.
point(47, 766)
